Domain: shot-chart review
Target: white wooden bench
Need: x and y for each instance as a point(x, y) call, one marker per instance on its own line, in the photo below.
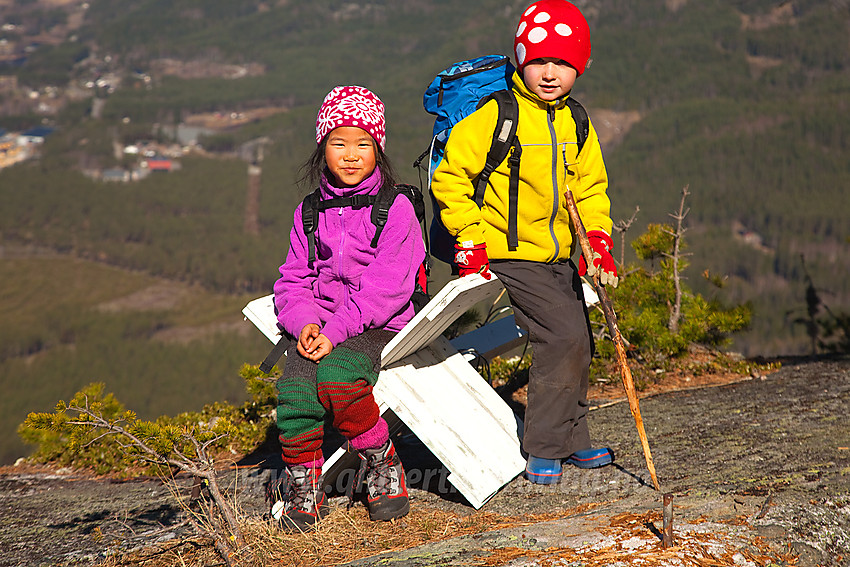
point(428, 385)
point(502, 335)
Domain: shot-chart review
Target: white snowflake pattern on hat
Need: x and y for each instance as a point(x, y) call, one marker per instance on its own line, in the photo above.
point(352, 106)
point(359, 108)
point(328, 116)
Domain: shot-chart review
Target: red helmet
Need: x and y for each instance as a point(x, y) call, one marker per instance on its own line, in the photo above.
point(553, 28)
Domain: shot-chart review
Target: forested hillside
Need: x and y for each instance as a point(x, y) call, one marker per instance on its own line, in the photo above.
point(744, 101)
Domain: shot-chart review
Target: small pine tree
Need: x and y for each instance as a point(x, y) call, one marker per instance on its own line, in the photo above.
point(650, 297)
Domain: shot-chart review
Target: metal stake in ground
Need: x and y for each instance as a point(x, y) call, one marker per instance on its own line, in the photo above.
point(667, 519)
point(611, 319)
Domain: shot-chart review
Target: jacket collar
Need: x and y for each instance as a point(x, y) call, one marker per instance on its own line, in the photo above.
point(368, 186)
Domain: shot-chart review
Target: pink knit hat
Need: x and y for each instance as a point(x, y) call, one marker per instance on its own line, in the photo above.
point(352, 106)
point(553, 28)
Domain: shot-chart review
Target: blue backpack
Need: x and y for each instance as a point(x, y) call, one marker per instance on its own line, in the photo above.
point(458, 91)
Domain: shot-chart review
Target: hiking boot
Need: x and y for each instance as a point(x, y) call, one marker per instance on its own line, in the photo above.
point(591, 458)
point(386, 487)
point(297, 499)
point(543, 471)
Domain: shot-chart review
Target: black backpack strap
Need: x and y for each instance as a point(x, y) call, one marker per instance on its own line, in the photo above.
point(513, 195)
point(413, 193)
point(582, 122)
point(504, 142)
point(503, 138)
point(385, 199)
point(310, 220)
point(313, 203)
point(355, 202)
point(380, 213)
point(381, 209)
point(275, 354)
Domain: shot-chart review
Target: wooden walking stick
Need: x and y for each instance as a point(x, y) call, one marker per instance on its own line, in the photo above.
point(611, 319)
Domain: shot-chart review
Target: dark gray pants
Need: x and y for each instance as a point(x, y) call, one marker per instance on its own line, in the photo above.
point(548, 304)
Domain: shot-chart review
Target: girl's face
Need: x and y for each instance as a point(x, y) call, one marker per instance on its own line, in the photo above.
point(350, 155)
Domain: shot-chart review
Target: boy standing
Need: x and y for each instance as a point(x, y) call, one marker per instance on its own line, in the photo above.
point(523, 234)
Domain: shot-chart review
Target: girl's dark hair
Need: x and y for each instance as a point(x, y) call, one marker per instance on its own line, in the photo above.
point(311, 171)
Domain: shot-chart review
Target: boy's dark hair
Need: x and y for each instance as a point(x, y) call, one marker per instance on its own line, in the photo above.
point(311, 170)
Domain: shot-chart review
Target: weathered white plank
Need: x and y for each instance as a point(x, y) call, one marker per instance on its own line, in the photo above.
point(445, 307)
point(457, 415)
point(261, 313)
point(429, 386)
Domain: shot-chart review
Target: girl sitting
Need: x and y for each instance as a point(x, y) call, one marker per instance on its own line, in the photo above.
point(339, 312)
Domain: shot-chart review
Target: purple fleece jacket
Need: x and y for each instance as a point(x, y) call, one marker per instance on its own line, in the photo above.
point(352, 287)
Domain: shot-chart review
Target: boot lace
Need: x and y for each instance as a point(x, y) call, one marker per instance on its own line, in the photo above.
point(382, 476)
point(297, 490)
point(380, 473)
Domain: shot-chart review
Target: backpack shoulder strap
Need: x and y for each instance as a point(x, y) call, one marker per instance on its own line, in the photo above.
point(384, 200)
point(504, 135)
point(313, 204)
point(582, 122)
point(380, 213)
point(504, 143)
point(310, 220)
point(413, 193)
point(381, 209)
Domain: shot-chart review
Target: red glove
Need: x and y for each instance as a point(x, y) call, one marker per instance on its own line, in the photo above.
point(602, 261)
point(472, 260)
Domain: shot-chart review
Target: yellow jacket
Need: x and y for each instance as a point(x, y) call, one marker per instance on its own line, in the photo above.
point(548, 166)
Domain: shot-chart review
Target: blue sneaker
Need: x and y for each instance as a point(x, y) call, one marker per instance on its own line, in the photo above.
point(543, 471)
point(591, 458)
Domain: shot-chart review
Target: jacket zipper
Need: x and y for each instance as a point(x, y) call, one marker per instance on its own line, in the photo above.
point(556, 200)
point(341, 255)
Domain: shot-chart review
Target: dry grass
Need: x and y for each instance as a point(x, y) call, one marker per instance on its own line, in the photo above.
point(348, 535)
point(345, 535)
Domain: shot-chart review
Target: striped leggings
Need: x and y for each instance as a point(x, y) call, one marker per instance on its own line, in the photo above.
point(340, 385)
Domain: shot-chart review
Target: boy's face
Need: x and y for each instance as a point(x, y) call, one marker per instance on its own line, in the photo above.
point(549, 78)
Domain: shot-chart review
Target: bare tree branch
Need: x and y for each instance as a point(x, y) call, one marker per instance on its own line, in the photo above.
point(229, 541)
point(621, 227)
point(676, 308)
